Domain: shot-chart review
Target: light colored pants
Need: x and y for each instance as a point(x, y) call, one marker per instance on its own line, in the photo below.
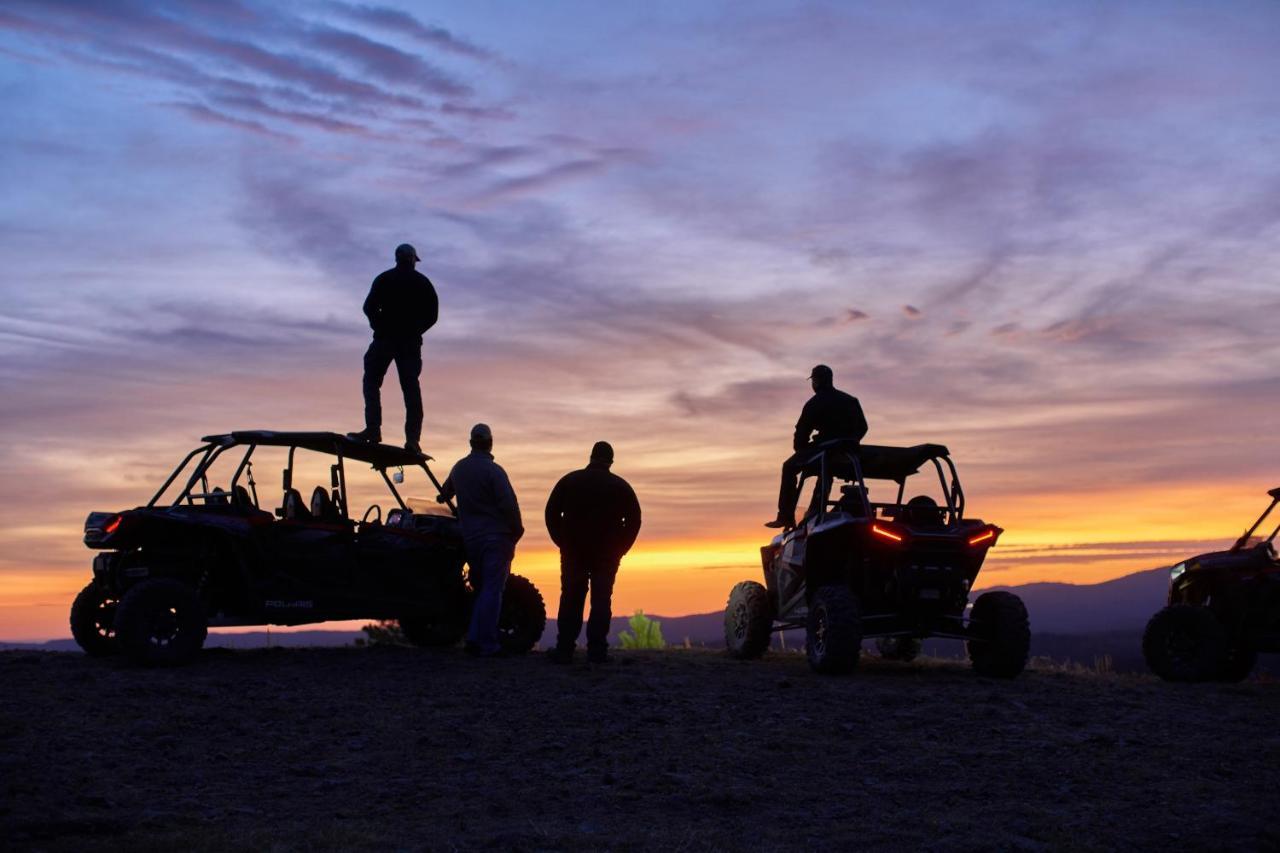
point(490, 561)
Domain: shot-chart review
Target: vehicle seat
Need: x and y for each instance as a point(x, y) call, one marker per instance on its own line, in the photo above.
point(923, 511)
point(294, 509)
point(240, 498)
point(851, 501)
point(322, 506)
point(218, 497)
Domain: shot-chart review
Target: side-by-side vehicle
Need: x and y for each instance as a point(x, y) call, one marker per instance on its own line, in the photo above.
point(203, 554)
point(897, 570)
point(1223, 608)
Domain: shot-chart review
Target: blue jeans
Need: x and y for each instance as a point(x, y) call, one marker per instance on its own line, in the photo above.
point(490, 561)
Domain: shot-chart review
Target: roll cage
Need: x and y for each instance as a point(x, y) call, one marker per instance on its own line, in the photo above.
point(855, 463)
point(1240, 543)
point(380, 457)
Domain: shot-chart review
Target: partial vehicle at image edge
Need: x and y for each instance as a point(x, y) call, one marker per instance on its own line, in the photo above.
point(1223, 609)
point(199, 555)
point(897, 571)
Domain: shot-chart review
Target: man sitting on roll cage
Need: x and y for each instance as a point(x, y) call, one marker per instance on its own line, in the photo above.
point(832, 414)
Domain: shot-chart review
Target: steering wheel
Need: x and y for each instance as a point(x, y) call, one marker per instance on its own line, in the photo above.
point(367, 512)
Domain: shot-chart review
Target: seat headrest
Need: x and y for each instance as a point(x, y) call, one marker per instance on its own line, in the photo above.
point(293, 507)
point(321, 504)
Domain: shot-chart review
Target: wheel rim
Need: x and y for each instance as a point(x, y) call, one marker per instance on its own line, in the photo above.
point(104, 619)
point(1181, 645)
point(740, 621)
point(164, 628)
point(820, 632)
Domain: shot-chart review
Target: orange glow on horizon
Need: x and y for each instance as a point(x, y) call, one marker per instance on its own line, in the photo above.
point(1055, 537)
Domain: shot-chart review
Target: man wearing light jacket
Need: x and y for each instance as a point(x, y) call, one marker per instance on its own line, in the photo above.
point(489, 516)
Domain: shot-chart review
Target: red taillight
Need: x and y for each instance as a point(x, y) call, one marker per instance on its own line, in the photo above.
point(983, 537)
point(885, 533)
point(113, 525)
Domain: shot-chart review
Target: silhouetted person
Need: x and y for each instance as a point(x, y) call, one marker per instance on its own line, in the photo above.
point(831, 414)
point(489, 516)
point(401, 306)
point(594, 517)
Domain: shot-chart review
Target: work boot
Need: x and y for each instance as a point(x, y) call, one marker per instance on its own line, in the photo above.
point(373, 436)
point(413, 447)
point(781, 522)
point(560, 656)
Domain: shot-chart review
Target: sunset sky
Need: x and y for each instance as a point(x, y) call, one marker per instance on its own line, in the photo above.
point(1045, 235)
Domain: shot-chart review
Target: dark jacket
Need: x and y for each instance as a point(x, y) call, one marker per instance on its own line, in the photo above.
point(593, 512)
point(402, 304)
point(834, 414)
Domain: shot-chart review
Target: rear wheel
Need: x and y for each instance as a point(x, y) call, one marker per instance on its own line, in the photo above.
point(1186, 642)
point(524, 616)
point(161, 623)
point(93, 617)
point(747, 620)
point(905, 649)
point(1000, 635)
point(833, 635)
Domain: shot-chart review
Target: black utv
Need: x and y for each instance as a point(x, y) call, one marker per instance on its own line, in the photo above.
point(203, 553)
point(1224, 608)
point(897, 570)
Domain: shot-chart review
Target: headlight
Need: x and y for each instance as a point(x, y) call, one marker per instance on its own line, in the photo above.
point(1177, 572)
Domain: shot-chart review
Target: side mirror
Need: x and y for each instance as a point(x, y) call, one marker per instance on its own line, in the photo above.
point(333, 476)
point(288, 479)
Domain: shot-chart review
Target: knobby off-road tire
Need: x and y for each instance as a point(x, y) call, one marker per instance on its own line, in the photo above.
point(161, 623)
point(93, 616)
point(1185, 642)
point(905, 649)
point(1001, 635)
point(747, 619)
point(833, 635)
point(524, 616)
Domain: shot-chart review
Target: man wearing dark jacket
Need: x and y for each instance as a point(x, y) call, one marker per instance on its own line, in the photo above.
point(594, 517)
point(401, 306)
point(831, 414)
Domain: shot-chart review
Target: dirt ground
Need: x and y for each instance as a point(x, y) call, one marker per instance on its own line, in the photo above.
point(369, 748)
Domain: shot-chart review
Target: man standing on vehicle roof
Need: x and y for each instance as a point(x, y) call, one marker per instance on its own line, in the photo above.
point(593, 516)
point(401, 306)
point(832, 414)
point(491, 526)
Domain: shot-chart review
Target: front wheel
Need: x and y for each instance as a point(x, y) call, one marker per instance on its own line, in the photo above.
point(1185, 642)
point(93, 618)
point(748, 618)
point(833, 635)
point(523, 617)
point(1000, 635)
point(161, 623)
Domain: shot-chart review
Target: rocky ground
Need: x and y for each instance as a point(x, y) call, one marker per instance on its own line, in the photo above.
point(367, 748)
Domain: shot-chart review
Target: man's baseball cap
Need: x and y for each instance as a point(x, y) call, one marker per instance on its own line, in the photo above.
point(820, 371)
point(406, 251)
point(481, 432)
